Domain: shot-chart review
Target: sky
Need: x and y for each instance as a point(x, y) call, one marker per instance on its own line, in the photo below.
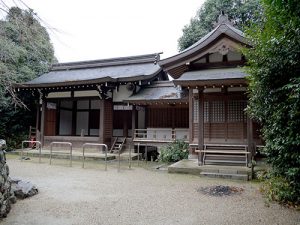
point(97, 29)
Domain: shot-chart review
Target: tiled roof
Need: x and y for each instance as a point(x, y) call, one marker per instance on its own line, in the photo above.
point(123, 69)
point(159, 91)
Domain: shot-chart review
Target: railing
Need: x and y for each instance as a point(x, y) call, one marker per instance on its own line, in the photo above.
point(61, 143)
point(94, 144)
point(160, 134)
point(36, 142)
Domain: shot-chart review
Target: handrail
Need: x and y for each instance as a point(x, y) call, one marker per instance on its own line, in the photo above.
point(94, 144)
point(40, 148)
point(113, 144)
point(152, 134)
point(61, 143)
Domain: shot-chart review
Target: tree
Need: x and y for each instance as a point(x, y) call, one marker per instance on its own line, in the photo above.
point(26, 52)
point(274, 91)
point(240, 12)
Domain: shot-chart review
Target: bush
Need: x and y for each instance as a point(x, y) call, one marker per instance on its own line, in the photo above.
point(174, 152)
point(278, 188)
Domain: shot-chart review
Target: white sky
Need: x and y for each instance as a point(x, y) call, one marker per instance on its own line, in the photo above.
point(96, 29)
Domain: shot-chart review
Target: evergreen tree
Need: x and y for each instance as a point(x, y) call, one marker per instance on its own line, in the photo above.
point(240, 12)
point(274, 90)
point(26, 52)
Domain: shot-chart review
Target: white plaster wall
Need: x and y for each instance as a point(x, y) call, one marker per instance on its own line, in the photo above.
point(86, 93)
point(63, 94)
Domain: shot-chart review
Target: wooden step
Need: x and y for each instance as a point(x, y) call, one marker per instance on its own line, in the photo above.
point(233, 176)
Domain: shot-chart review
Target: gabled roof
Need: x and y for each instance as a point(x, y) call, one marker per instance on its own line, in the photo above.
point(223, 29)
point(124, 69)
point(159, 91)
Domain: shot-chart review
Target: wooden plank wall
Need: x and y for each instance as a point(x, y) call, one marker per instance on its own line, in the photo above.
point(168, 117)
point(225, 128)
point(50, 122)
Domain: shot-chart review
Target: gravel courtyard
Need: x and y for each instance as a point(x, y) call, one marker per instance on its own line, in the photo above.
point(72, 195)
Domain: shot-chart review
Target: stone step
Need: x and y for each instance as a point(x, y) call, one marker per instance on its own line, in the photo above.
point(233, 176)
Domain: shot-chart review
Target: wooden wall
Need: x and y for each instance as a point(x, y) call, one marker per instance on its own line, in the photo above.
point(225, 120)
point(175, 116)
point(50, 122)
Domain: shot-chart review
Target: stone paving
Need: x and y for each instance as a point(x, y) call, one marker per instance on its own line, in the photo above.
point(137, 196)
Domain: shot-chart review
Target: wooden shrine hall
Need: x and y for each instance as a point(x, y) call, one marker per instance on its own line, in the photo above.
point(132, 97)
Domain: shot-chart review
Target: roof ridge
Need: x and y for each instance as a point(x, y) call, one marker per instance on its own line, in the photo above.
point(147, 58)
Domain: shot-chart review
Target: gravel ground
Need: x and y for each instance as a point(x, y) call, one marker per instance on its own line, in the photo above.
point(72, 195)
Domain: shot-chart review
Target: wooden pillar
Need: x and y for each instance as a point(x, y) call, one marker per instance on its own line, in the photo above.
point(37, 122)
point(133, 120)
point(201, 120)
point(43, 120)
point(201, 123)
point(74, 115)
point(191, 116)
point(224, 90)
point(191, 120)
point(250, 140)
point(101, 124)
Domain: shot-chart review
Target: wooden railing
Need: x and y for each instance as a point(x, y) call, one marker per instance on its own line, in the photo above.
point(160, 134)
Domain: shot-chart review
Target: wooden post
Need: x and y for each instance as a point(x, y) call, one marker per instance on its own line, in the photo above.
point(201, 122)
point(250, 140)
point(101, 124)
point(133, 121)
point(191, 116)
point(74, 115)
point(191, 120)
point(37, 122)
point(43, 119)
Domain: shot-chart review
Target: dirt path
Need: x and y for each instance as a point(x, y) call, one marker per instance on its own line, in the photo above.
point(138, 196)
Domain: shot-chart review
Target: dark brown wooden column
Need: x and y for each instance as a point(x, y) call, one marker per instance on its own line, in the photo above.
point(201, 121)
point(250, 140)
point(43, 120)
point(133, 122)
point(37, 122)
point(101, 124)
point(191, 117)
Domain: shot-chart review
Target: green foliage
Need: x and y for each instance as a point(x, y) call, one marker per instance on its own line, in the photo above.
point(274, 91)
point(26, 52)
point(278, 189)
point(240, 12)
point(174, 152)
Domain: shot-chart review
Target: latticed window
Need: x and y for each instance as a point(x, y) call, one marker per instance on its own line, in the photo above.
point(217, 112)
point(206, 112)
point(236, 111)
point(196, 110)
